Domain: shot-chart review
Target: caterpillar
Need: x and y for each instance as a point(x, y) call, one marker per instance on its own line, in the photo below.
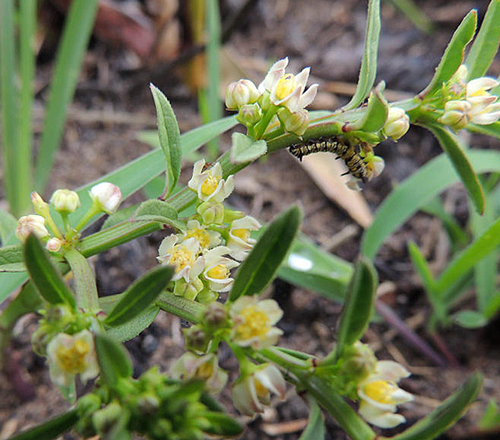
point(348, 153)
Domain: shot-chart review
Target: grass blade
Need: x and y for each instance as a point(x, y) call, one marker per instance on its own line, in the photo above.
point(51, 429)
point(76, 35)
point(368, 69)
point(429, 181)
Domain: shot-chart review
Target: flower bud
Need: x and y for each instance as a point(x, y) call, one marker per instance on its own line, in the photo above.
point(39, 205)
point(196, 339)
point(215, 316)
point(211, 213)
point(296, 123)
point(31, 224)
point(455, 114)
point(107, 196)
point(53, 244)
point(65, 201)
point(397, 123)
point(240, 93)
point(249, 114)
point(189, 289)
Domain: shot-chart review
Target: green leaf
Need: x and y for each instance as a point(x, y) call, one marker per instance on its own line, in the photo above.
point(486, 43)
point(113, 359)
point(158, 211)
point(466, 260)
point(10, 282)
point(44, 275)
point(446, 414)
point(375, 115)
point(312, 268)
point(245, 149)
point(453, 55)
point(27, 301)
point(139, 296)
point(368, 69)
point(451, 145)
point(77, 30)
point(493, 306)
point(119, 216)
point(261, 265)
point(485, 271)
point(323, 392)
point(430, 180)
point(179, 306)
point(169, 135)
point(8, 225)
point(358, 307)
point(470, 319)
point(492, 130)
point(51, 429)
point(221, 424)
point(491, 416)
point(423, 270)
point(11, 259)
point(315, 429)
point(84, 282)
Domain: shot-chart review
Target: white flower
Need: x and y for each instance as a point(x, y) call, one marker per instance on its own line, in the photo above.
point(380, 395)
point(253, 392)
point(254, 320)
point(206, 368)
point(397, 123)
point(217, 269)
point(240, 93)
point(240, 242)
point(206, 238)
point(107, 196)
point(65, 201)
point(183, 256)
point(70, 355)
point(209, 184)
point(374, 165)
point(287, 90)
point(54, 244)
point(485, 108)
point(31, 224)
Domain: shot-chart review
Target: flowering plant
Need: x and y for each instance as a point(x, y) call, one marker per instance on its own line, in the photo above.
point(215, 263)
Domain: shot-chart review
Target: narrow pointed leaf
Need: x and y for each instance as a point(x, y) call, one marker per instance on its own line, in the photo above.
point(375, 116)
point(446, 414)
point(51, 429)
point(429, 181)
point(221, 424)
point(368, 69)
point(451, 145)
point(423, 269)
point(489, 130)
point(358, 307)
point(485, 44)
point(84, 282)
point(113, 359)
point(467, 259)
point(139, 296)
point(170, 138)
point(315, 429)
point(260, 267)
point(44, 275)
point(454, 53)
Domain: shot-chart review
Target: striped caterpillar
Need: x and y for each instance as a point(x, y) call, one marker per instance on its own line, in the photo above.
point(350, 156)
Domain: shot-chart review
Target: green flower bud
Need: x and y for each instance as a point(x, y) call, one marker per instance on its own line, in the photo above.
point(249, 114)
point(65, 201)
point(211, 213)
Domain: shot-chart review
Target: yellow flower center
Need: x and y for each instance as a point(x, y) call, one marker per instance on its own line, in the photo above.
point(72, 359)
point(262, 391)
point(286, 85)
point(380, 390)
point(243, 234)
point(181, 257)
point(209, 185)
point(255, 323)
point(201, 236)
point(205, 371)
point(218, 272)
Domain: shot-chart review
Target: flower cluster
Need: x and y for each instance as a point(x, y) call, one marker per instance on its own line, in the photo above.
point(280, 100)
point(105, 196)
point(215, 241)
point(470, 102)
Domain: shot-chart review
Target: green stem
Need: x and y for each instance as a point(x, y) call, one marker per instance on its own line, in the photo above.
point(181, 307)
point(260, 128)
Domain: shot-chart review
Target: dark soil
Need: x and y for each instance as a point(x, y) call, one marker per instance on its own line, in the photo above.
point(113, 104)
